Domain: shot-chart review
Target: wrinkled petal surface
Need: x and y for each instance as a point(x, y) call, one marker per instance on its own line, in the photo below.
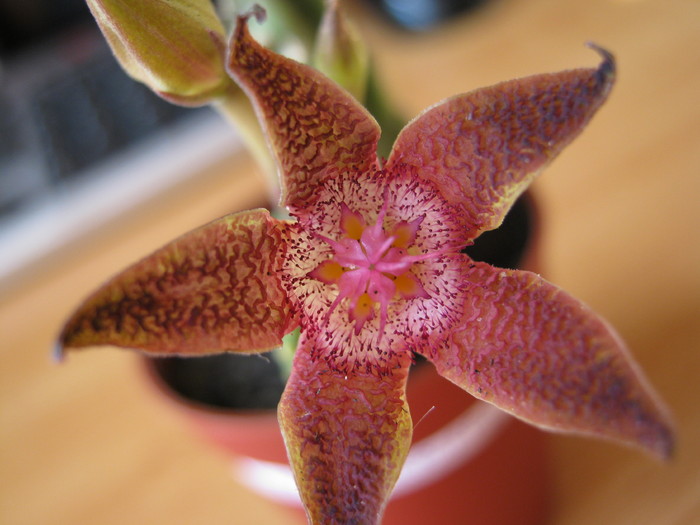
point(533, 350)
point(315, 129)
point(482, 149)
point(215, 289)
point(347, 438)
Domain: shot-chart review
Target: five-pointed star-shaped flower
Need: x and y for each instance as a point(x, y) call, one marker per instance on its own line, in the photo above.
point(370, 267)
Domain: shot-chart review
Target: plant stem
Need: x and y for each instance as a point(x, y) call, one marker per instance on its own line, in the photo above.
point(236, 108)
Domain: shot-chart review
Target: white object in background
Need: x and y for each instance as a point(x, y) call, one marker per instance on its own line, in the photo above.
point(117, 185)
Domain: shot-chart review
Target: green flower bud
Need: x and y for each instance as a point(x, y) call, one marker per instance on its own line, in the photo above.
point(175, 47)
point(340, 52)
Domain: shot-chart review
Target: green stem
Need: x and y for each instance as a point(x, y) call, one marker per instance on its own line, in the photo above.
point(236, 108)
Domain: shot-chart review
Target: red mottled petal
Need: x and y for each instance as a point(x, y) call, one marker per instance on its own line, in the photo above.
point(315, 129)
point(531, 349)
point(347, 438)
point(482, 149)
point(215, 289)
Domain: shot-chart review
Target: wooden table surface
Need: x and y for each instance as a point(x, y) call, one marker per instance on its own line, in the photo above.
point(86, 442)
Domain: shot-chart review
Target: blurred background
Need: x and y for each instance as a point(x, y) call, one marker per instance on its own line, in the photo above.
point(95, 172)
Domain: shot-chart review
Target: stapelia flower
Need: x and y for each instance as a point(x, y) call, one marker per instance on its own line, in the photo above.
point(370, 268)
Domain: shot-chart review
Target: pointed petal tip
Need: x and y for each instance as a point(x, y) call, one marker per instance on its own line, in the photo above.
point(255, 11)
point(608, 67)
point(660, 447)
point(58, 354)
point(664, 448)
point(667, 451)
point(657, 431)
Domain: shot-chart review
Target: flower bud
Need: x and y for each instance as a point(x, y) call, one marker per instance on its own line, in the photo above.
point(340, 53)
point(175, 47)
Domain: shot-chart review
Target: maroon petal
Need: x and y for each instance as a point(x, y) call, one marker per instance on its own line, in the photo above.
point(483, 148)
point(347, 437)
point(215, 289)
point(315, 129)
point(533, 350)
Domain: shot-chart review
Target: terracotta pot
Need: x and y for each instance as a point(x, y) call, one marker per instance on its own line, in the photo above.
point(469, 463)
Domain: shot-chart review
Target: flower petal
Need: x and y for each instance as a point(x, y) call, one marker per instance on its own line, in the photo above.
point(315, 129)
point(482, 149)
point(215, 289)
point(347, 438)
point(533, 350)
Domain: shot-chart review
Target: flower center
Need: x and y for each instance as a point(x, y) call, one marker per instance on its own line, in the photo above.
point(371, 267)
